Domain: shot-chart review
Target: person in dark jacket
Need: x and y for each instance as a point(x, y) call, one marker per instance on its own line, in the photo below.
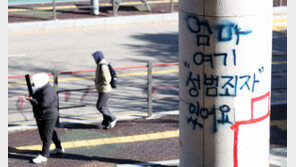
point(45, 108)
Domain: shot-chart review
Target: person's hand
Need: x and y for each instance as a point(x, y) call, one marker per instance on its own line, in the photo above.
point(29, 98)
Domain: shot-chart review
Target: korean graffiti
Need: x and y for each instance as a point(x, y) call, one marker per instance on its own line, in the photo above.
point(210, 85)
point(199, 58)
point(225, 32)
point(220, 85)
point(198, 112)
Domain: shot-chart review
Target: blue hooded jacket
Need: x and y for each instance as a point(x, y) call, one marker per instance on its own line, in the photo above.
point(98, 56)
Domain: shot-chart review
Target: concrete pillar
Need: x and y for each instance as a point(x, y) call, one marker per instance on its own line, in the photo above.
point(95, 7)
point(225, 50)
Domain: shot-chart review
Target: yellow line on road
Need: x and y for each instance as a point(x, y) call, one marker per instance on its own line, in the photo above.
point(145, 73)
point(92, 77)
point(104, 141)
point(124, 75)
point(279, 20)
point(278, 28)
point(19, 83)
point(279, 62)
point(282, 124)
point(280, 25)
point(165, 71)
point(281, 29)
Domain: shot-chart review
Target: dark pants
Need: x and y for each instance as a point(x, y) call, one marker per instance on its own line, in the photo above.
point(102, 106)
point(47, 133)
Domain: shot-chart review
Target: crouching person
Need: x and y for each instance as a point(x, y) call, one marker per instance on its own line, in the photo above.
point(45, 108)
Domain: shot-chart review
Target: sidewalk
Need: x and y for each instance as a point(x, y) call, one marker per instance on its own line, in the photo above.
point(128, 143)
point(137, 142)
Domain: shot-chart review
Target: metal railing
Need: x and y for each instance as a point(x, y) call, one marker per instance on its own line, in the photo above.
point(145, 82)
point(91, 6)
point(148, 88)
point(149, 85)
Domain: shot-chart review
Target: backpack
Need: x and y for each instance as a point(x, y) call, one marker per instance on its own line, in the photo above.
point(113, 82)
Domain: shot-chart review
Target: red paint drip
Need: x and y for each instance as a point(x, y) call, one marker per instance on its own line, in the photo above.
point(86, 93)
point(20, 103)
point(67, 95)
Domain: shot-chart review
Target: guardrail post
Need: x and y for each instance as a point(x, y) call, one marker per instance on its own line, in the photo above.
point(281, 3)
point(54, 9)
point(114, 8)
point(95, 7)
point(172, 6)
point(56, 88)
point(149, 84)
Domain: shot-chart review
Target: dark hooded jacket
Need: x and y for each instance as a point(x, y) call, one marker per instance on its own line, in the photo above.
point(45, 101)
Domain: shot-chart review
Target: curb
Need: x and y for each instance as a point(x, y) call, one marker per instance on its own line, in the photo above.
point(157, 163)
point(93, 22)
point(132, 116)
point(278, 157)
point(278, 12)
point(109, 141)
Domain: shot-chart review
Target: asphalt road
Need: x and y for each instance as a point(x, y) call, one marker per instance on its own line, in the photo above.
point(70, 49)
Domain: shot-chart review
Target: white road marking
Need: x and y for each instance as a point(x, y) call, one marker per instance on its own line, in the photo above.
point(17, 55)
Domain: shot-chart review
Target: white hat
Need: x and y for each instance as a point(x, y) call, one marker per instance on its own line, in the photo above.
point(40, 79)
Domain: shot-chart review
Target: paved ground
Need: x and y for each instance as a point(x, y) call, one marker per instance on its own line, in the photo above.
point(78, 10)
point(130, 142)
point(134, 141)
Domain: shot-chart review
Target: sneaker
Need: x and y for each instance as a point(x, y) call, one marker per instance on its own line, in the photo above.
point(57, 151)
point(113, 123)
point(101, 126)
point(39, 159)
